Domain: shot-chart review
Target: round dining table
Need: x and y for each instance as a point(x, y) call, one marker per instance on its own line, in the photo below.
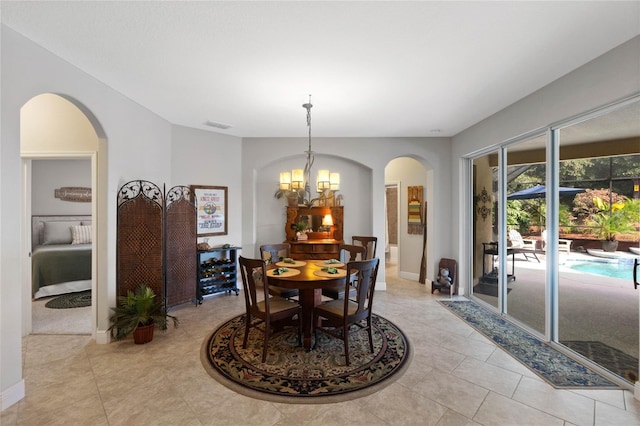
point(309, 280)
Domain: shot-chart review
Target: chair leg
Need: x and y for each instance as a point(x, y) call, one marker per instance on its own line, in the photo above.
point(346, 345)
point(267, 328)
point(246, 331)
point(370, 336)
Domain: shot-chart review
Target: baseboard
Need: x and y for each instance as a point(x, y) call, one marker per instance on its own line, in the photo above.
point(12, 395)
point(103, 337)
point(409, 276)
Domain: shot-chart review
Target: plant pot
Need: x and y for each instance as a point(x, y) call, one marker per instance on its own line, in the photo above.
point(610, 246)
point(143, 334)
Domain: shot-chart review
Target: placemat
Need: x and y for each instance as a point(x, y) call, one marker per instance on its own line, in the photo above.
point(330, 265)
point(289, 273)
point(296, 264)
point(341, 273)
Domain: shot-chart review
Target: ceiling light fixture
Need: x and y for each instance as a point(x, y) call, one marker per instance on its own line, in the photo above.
point(297, 182)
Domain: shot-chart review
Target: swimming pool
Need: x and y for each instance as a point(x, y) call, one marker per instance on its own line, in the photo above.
point(622, 270)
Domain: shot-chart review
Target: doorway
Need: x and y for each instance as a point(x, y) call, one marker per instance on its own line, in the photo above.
point(61, 191)
point(53, 127)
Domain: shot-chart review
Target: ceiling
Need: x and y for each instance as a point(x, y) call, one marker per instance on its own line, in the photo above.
point(375, 69)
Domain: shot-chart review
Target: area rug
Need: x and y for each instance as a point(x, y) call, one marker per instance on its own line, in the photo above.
point(614, 360)
point(70, 300)
point(554, 367)
point(293, 375)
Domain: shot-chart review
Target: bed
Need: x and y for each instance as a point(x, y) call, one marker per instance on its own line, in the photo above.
point(60, 254)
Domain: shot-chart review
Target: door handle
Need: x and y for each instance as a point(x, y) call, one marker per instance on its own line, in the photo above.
point(636, 263)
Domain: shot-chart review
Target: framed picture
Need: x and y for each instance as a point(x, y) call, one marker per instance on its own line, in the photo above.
point(211, 210)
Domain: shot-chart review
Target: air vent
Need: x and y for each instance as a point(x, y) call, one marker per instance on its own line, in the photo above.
point(218, 125)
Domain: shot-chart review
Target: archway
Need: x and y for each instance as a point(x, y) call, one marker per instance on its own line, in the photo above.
point(400, 174)
point(57, 127)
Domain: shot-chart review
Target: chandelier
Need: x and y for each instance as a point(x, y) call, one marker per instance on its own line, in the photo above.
point(296, 184)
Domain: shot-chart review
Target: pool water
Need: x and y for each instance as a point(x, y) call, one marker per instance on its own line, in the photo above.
point(613, 270)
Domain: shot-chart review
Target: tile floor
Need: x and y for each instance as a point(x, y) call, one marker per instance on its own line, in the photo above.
point(457, 377)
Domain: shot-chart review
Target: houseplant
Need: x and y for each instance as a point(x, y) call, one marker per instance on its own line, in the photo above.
point(292, 197)
point(610, 221)
point(138, 313)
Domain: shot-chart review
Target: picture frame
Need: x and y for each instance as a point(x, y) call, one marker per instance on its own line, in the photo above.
point(211, 210)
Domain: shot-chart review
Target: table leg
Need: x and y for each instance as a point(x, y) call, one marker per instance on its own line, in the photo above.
point(309, 298)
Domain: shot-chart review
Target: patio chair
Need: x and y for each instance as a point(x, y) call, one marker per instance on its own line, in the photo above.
point(525, 246)
point(564, 245)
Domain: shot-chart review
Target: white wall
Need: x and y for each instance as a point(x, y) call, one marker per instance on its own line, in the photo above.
point(200, 157)
point(140, 145)
point(363, 195)
point(49, 175)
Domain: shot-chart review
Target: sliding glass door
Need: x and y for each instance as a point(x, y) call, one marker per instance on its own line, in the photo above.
point(544, 207)
point(598, 305)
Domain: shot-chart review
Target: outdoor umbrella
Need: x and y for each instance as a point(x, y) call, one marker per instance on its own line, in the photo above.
point(540, 191)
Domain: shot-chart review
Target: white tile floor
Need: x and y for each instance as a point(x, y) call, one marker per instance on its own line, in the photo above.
point(457, 377)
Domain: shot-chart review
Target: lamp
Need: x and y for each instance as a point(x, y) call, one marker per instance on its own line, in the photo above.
point(327, 222)
point(298, 180)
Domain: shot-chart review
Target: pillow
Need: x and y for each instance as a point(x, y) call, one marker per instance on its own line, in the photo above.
point(81, 234)
point(58, 232)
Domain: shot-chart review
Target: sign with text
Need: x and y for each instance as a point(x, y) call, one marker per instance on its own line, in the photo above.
point(211, 209)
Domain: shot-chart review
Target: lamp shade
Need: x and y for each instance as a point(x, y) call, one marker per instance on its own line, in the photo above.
point(334, 179)
point(327, 220)
point(323, 180)
point(285, 181)
point(297, 178)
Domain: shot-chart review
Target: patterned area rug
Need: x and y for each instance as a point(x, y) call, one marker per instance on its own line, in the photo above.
point(294, 375)
point(554, 367)
point(70, 300)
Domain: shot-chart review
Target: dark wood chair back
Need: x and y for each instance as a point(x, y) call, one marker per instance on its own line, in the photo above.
point(370, 243)
point(260, 305)
point(340, 315)
point(272, 253)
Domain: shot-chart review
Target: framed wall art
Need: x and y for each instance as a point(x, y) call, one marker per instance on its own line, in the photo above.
point(211, 210)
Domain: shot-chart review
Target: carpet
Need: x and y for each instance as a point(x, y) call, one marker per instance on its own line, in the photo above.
point(70, 300)
point(554, 367)
point(293, 375)
point(614, 360)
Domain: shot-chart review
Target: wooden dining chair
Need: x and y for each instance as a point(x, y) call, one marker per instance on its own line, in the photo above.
point(268, 310)
point(369, 243)
point(348, 253)
point(272, 253)
point(340, 315)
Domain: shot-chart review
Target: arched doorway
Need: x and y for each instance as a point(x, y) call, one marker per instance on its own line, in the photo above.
point(400, 174)
point(57, 127)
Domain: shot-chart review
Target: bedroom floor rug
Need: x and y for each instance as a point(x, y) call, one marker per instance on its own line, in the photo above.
point(293, 375)
point(551, 365)
point(70, 300)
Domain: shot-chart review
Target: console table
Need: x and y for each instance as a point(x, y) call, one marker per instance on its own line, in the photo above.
point(326, 248)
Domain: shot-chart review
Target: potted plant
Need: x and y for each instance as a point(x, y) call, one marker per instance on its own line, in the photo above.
point(611, 221)
point(291, 196)
point(138, 313)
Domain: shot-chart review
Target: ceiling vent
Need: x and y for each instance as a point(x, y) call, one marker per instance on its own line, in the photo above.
point(217, 125)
